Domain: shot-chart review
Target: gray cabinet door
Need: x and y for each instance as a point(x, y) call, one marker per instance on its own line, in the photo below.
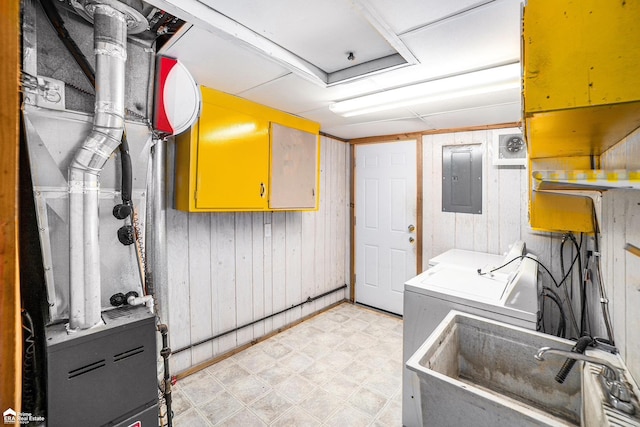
point(294, 168)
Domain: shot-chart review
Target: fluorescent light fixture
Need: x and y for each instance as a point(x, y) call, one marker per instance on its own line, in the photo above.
point(476, 83)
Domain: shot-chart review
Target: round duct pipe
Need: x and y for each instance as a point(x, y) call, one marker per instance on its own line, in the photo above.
point(111, 20)
point(130, 10)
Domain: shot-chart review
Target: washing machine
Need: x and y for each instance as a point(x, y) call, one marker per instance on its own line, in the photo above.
point(474, 259)
point(508, 295)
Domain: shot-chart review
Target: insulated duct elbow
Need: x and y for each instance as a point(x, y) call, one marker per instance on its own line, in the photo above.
point(111, 20)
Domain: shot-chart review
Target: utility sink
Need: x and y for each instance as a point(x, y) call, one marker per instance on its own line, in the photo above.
point(480, 372)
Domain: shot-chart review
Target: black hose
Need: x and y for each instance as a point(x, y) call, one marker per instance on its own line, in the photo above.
point(165, 353)
point(583, 286)
point(580, 347)
point(550, 293)
point(553, 279)
point(127, 172)
point(576, 258)
point(568, 297)
point(564, 239)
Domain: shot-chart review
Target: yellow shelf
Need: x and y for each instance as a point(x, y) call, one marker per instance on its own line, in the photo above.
point(585, 179)
point(581, 131)
point(557, 212)
point(581, 96)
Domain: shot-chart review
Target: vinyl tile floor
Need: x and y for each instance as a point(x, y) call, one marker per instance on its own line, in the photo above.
point(340, 368)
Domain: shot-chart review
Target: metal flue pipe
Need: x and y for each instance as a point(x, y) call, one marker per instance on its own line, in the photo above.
point(110, 48)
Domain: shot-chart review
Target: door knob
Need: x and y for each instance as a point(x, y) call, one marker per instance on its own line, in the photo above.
point(411, 240)
point(412, 228)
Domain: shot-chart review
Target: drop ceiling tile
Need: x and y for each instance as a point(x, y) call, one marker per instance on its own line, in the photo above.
point(486, 36)
point(390, 127)
point(481, 116)
point(296, 95)
point(328, 117)
point(509, 96)
point(321, 32)
point(406, 15)
point(222, 63)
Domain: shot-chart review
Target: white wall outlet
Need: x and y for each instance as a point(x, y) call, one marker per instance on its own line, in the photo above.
point(267, 230)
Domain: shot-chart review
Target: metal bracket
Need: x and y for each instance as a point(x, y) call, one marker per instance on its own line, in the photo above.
point(43, 92)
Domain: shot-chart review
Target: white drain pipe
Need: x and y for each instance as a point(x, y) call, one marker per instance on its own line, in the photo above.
point(110, 48)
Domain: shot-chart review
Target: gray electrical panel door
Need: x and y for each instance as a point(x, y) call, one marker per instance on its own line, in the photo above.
point(462, 178)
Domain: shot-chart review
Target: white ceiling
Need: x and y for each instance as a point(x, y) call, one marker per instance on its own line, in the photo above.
point(292, 55)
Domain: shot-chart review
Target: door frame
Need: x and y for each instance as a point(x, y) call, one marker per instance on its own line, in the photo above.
point(417, 137)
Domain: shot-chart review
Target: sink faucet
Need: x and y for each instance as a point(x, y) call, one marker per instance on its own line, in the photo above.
point(609, 371)
point(614, 388)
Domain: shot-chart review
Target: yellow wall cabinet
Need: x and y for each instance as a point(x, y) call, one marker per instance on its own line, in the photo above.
point(243, 156)
point(581, 79)
point(581, 92)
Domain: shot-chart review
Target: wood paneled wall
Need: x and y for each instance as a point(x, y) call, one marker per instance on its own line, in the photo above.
point(225, 270)
point(621, 269)
point(504, 217)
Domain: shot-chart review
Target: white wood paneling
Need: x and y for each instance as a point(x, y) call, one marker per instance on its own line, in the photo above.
point(621, 269)
point(614, 261)
point(201, 319)
point(481, 222)
point(223, 283)
point(278, 271)
point(244, 276)
point(228, 269)
point(178, 298)
point(441, 224)
point(506, 214)
point(308, 256)
point(631, 301)
point(257, 270)
point(267, 265)
point(500, 222)
point(293, 270)
point(504, 217)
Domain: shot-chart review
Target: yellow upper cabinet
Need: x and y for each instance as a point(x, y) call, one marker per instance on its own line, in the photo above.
point(581, 80)
point(242, 156)
point(232, 160)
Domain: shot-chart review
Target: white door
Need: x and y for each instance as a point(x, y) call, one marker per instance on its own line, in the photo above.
point(385, 222)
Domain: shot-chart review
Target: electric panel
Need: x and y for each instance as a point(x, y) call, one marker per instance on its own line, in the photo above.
point(462, 178)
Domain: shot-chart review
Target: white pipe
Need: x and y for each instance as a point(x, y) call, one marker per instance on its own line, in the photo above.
point(147, 300)
point(76, 252)
point(156, 236)
point(110, 37)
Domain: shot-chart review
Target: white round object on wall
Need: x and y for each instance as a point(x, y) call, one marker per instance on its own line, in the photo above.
point(178, 99)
